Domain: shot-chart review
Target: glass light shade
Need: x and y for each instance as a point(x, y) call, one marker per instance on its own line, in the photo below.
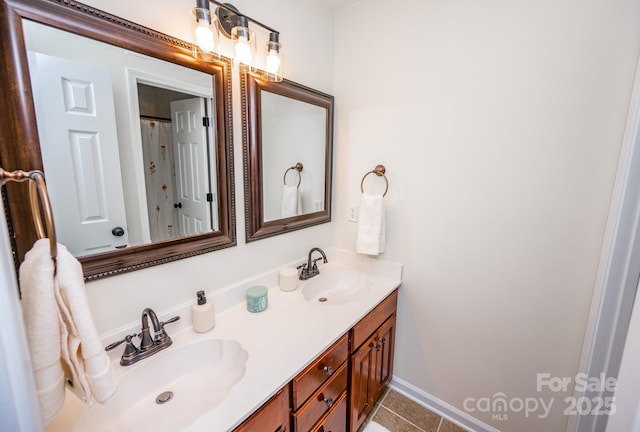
point(273, 65)
point(206, 35)
point(244, 40)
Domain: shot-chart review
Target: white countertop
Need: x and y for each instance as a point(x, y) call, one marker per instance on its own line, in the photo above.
point(281, 341)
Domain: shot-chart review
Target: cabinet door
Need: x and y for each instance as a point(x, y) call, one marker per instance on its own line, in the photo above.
point(363, 382)
point(385, 345)
point(273, 416)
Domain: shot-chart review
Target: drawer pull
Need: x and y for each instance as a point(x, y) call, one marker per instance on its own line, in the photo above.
point(378, 347)
point(328, 401)
point(328, 370)
point(383, 341)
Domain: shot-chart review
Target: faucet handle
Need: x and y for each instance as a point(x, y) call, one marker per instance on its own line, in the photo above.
point(315, 265)
point(162, 334)
point(115, 344)
point(170, 320)
point(130, 350)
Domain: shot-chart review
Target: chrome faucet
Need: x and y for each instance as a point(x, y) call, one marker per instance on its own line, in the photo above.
point(310, 268)
point(149, 345)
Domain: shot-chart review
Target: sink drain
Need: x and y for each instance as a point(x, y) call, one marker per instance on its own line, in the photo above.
point(322, 299)
point(164, 397)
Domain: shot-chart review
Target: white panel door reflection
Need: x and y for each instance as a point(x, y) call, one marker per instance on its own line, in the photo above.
point(77, 131)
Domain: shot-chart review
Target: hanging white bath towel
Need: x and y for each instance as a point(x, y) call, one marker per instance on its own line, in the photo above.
point(40, 315)
point(291, 201)
point(371, 235)
point(56, 308)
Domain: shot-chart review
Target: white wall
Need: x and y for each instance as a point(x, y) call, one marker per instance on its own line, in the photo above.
point(500, 124)
point(119, 300)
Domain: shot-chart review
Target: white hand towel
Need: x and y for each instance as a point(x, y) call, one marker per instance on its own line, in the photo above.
point(81, 345)
point(59, 326)
point(40, 315)
point(291, 205)
point(371, 235)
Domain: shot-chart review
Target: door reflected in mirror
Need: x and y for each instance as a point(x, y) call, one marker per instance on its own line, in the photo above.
point(126, 143)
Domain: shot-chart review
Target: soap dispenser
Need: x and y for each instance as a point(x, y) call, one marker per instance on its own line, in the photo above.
point(202, 314)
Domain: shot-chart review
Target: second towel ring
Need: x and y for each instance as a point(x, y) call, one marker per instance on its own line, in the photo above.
point(298, 167)
point(379, 170)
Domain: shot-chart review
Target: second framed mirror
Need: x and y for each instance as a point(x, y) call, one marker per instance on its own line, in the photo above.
point(288, 148)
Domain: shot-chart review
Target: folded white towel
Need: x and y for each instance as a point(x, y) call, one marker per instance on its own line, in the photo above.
point(81, 345)
point(371, 234)
point(40, 315)
point(59, 326)
point(291, 201)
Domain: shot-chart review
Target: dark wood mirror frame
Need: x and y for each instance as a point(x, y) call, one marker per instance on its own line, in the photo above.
point(255, 225)
point(20, 148)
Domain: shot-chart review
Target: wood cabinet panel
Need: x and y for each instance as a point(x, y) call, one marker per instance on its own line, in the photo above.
point(386, 343)
point(370, 323)
point(362, 389)
point(336, 419)
point(273, 416)
point(321, 401)
point(372, 361)
point(318, 372)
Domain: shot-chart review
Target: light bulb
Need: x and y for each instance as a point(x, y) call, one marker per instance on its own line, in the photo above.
point(243, 51)
point(273, 62)
point(204, 36)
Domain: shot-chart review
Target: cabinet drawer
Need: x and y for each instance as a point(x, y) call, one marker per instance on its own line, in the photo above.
point(273, 416)
point(319, 371)
point(336, 419)
point(321, 401)
point(365, 327)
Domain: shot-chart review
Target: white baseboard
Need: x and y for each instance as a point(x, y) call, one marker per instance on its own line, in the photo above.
point(442, 408)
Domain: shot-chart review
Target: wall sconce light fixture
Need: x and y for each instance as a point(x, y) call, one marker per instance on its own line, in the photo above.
point(228, 21)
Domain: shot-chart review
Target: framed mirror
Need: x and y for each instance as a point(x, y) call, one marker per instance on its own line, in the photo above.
point(133, 134)
point(288, 148)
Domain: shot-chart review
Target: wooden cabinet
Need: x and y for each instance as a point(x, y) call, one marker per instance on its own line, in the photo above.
point(337, 391)
point(273, 416)
point(371, 359)
point(317, 390)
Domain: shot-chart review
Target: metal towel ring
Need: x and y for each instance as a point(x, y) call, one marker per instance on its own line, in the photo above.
point(39, 202)
point(298, 167)
point(379, 170)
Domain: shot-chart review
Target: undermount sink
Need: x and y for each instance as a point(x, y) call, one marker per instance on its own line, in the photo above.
point(336, 286)
point(169, 391)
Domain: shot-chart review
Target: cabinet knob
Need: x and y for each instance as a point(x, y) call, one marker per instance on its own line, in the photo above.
point(179, 205)
point(378, 347)
point(328, 370)
point(326, 400)
point(383, 341)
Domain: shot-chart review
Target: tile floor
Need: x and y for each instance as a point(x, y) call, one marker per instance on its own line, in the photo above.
point(400, 414)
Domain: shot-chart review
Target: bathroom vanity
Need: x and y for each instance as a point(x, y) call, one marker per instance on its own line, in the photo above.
point(318, 398)
point(303, 364)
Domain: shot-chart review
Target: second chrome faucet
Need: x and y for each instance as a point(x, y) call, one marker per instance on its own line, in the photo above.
point(149, 344)
point(310, 268)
